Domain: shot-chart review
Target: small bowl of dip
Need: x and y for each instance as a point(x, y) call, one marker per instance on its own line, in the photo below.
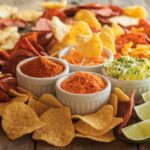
point(39, 74)
point(78, 63)
point(83, 92)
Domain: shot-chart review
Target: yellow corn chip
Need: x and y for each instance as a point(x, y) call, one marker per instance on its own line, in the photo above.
point(88, 17)
point(19, 119)
point(108, 30)
point(107, 41)
point(59, 130)
point(118, 31)
point(86, 129)
point(99, 120)
point(37, 106)
point(50, 100)
point(108, 137)
point(22, 99)
point(15, 93)
point(121, 95)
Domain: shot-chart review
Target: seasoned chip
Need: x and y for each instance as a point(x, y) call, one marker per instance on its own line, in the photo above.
point(108, 30)
point(113, 100)
point(60, 29)
point(3, 106)
point(107, 41)
point(108, 137)
point(91, 48)
point(99, 120)
point(19, 119)
point(78, 28)
point(50, 100)
point(59, 130)
point(118, 31)
point(88, 17)
point(86, 129)
point(121, 95)
point(37, 106)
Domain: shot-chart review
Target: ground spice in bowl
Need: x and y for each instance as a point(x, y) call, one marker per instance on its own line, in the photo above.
point(83, 83)
point(42, 67)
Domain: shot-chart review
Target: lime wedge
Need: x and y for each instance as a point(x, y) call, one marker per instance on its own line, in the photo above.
point(146, 96)
point(143, 111)
point(139, 132)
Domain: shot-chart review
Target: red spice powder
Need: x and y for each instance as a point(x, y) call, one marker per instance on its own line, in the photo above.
point(83, 83)
point(42, 67)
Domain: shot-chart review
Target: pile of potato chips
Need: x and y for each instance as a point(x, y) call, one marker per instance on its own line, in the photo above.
point(50, 121)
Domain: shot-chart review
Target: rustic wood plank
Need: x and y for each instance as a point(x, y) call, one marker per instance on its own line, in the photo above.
point(144, 146)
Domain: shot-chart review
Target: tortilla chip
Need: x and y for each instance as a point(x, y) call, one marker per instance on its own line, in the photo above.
point(37, 106)
point(99, 120)
point(108, 137)
point(3, 106)
point(86, 129)
point(19, 119)
point(108, 30)
point(113, 100)
point(14, 93)
point(50, 100)
point(59, 130)
point(22, 99)
point(121, 95)
point(88, 17)
point(118, 31)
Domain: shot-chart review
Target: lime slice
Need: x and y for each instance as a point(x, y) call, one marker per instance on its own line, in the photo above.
point(143, 111)
point(146, 96)
point(139, 132)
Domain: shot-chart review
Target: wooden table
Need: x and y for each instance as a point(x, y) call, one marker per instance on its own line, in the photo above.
point(26, 142)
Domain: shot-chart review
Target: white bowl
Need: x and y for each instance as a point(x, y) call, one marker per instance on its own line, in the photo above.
point(83, 103)
point(140, 86)
point(39, 86)
point(96, 68)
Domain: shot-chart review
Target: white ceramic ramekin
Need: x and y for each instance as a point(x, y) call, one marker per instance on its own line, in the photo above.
point(83, 103)
point(39, 86)
point(140, 86)
point(96, 68)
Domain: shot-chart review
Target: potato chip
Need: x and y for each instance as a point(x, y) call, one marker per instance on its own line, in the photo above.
point(88, 17)
point(14, 93)
point(59, 130)
point(118, 31)
point(113, 100)
point(99, 120)
point(22, 99)
point(19, 119)
point(79, 27)
point(60, 29)
point(107, 41)
point(135, 11)
point(91, 48)
point(37, 106)
point(3, 106)
point(108, 30)
point(108, 137)
point(86, 129)
point(121, 95)
point(50, 100)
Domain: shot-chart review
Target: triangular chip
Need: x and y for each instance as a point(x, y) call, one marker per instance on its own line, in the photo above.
point(78, 28)
point(50, 100)
point(37, 106)
point(60, 29)
point(59, 130)
point(99, 120)
point(118, 31)
point(88, 17)
point(108, 137)
point(91, 48)
point(108, 41)
point(86, 129)
point(19, 119)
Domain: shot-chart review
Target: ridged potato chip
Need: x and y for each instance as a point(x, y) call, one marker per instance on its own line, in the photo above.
point(88, 17)
point(108, 137)
point(108, 30)
point(113, 100)
point(91, 48)
point(108, 41)
point(135, 11)
point(86, 129)
point(19, 119)
point(50, 100)
point(121, 95)
point(118, 31)
point(59, 130)
point(98, 120)
point(37, 106)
